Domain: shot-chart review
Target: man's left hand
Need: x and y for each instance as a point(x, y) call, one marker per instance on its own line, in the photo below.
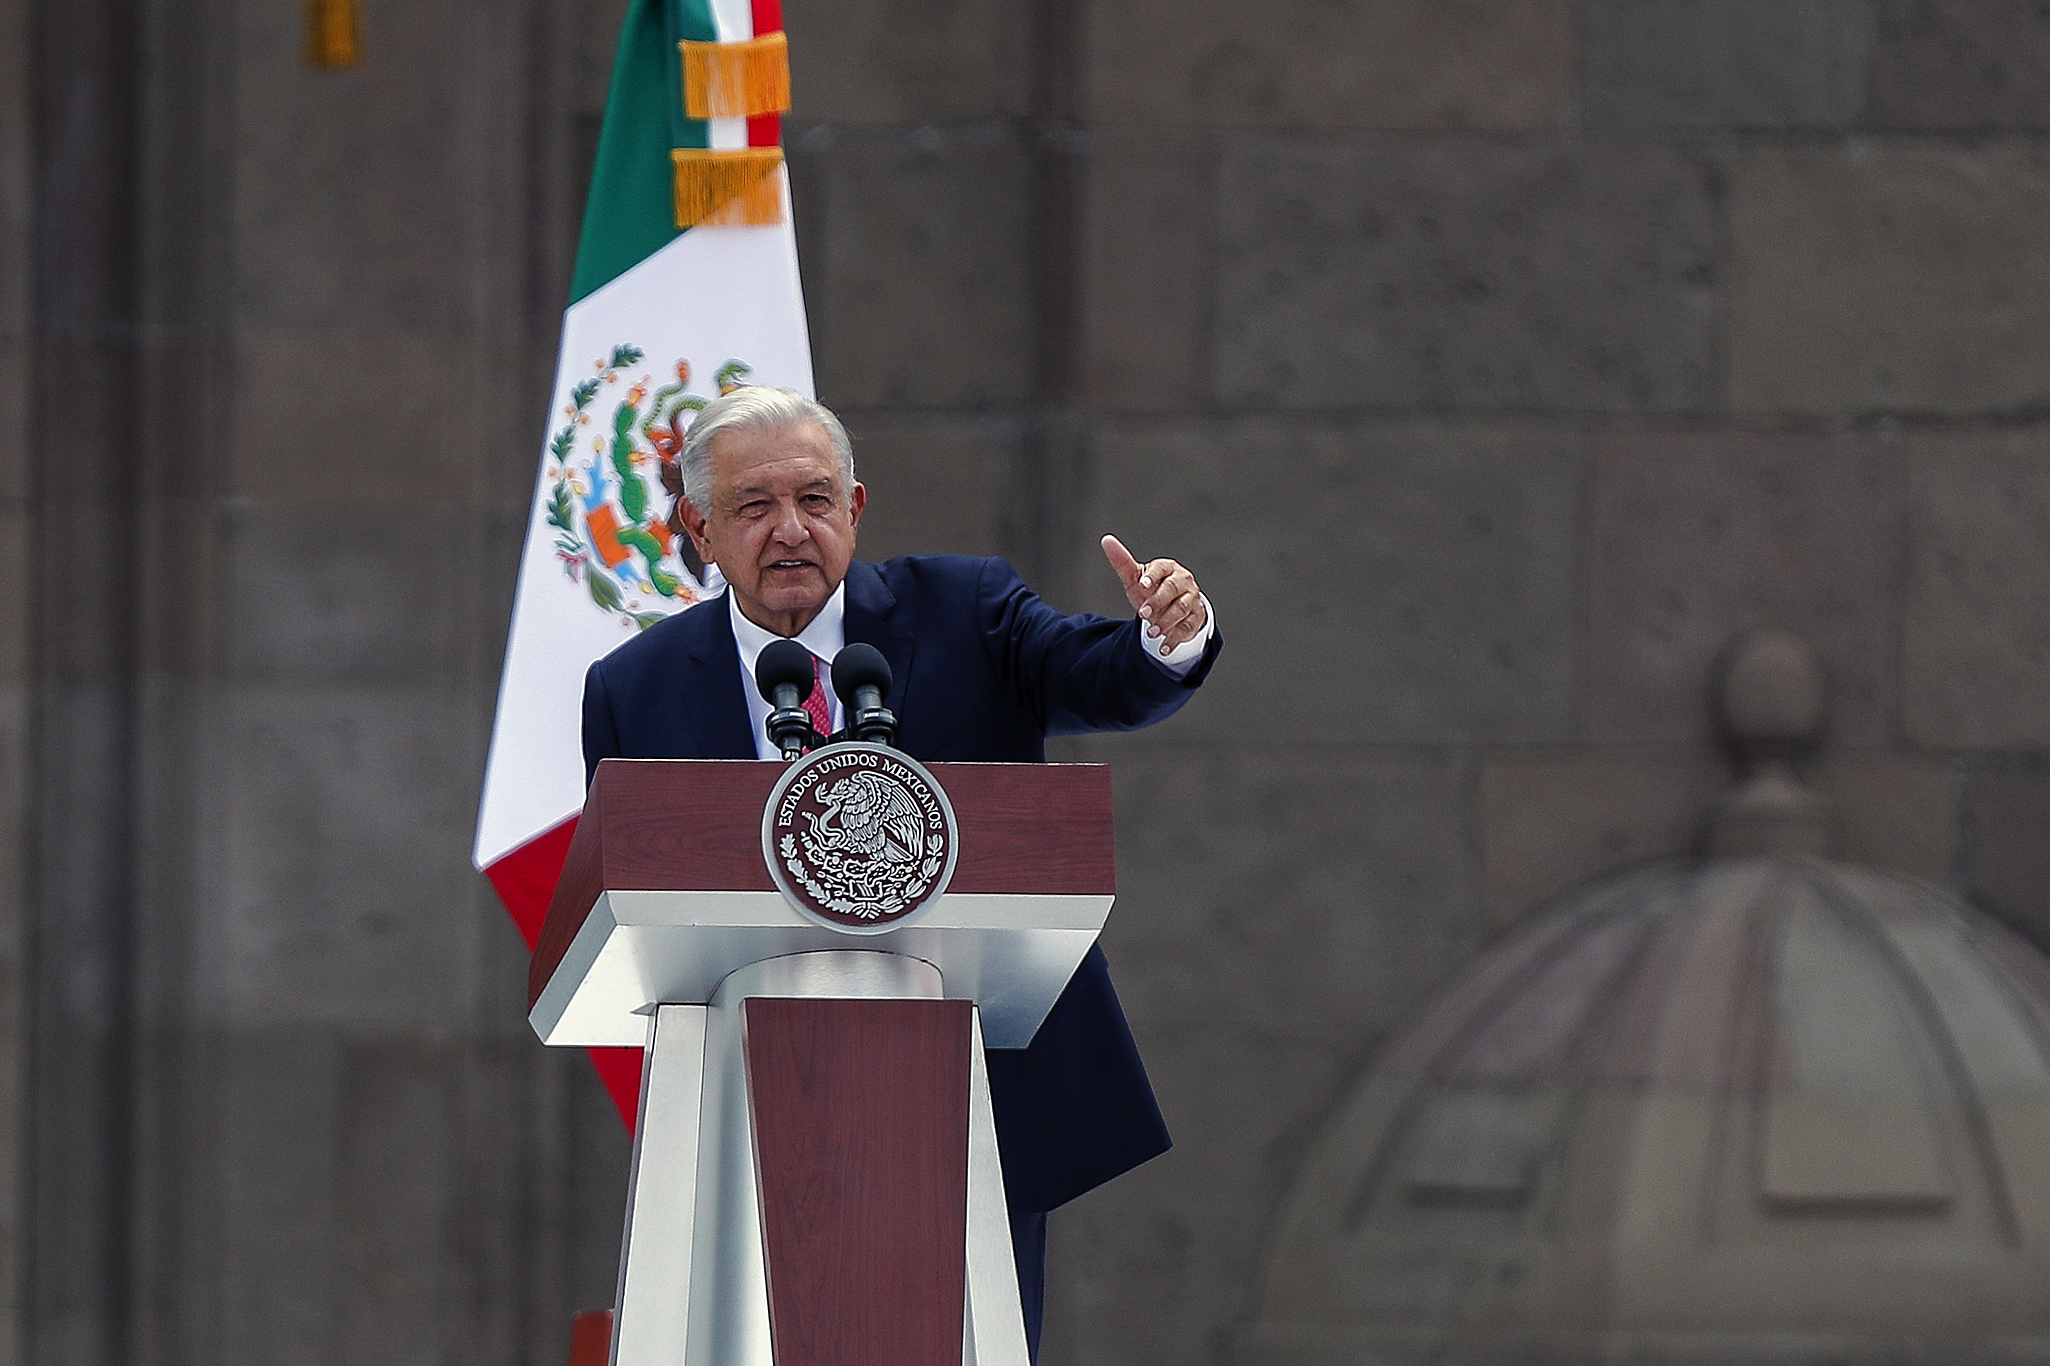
point(1162, 592)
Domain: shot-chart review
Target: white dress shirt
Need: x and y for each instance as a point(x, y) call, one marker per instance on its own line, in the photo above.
point(826, 636)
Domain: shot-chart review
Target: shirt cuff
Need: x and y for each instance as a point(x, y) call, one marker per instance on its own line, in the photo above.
point(1183, 657)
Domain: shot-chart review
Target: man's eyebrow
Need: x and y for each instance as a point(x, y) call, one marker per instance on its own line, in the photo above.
point(824, 481)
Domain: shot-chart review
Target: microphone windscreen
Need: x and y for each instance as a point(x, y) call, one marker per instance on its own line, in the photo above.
point(780, 662)
point(857, 666)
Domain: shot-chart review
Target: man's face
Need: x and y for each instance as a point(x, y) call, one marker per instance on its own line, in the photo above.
point(781, 525)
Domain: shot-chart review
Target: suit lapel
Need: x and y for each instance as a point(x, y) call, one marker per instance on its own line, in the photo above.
point(711, 695)
point(875, 617)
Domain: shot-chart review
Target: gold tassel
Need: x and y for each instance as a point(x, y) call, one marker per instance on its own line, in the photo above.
point(737, 188)
point(331, 38)
point(736, 80)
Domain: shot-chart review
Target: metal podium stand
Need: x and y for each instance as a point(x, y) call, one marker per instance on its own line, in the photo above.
point(815, 1174)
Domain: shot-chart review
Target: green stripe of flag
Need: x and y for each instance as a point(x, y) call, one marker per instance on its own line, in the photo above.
point(631, 214)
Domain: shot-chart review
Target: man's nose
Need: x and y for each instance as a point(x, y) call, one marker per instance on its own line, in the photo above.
point(790, 528)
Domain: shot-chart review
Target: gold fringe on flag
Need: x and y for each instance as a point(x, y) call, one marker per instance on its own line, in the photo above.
point(332, 40)
point(736, 188)
point(736, 80)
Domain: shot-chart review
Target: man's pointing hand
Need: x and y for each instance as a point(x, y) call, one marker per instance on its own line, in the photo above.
point(1162, 592)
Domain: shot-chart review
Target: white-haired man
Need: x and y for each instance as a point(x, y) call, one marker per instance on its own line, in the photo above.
point(984, 670)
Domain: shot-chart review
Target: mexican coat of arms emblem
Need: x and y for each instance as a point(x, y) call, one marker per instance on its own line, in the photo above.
point(631, 556)
point(859, 837)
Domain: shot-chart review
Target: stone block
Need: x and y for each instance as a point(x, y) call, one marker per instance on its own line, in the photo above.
point(597, 26)
point(1159, 1265)
point(1724, 63)
point(17, 571)
point(1553, 822)
point(15, 386)
point(368, 196)
point(1465, 274)
point(2007, 845)
point(1146, 307)
point(1975, 646)
point(347, 417)
point(345, 895)
point(17, 169)
point(401, 1209)
point(1892, 811)
point(295, 241)
point(1421, 64)
point(1695, 537)
point(1889, 277)
point(911, 61)
point(436, 154)
point(275, 1207)
point(935, 482)
point(599, 1158)
point(916, 252)
point(1376, 583)
point(1550, 822)
point(1965, 64)
point(1304, 891)
point(355, 593)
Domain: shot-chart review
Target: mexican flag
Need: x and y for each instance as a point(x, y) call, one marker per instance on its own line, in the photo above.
point(685, 287)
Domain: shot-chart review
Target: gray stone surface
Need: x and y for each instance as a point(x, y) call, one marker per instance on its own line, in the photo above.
point(1286, 891)
point(1696, 536)
point(1376, 582)
point(593, 40)
point(935, 483)
point(1893, 811)
point(1975, 651)
point(336, 591)
point(1550, 821)
point(1146, 329)
point(1424, 64)
point(1724, 63)
point(366, 194)
point(916, 292)
point(916, 61)
point(1159, 1266)
point(294, 214)
point(1969, 65)
point(338, 829)
point(1456, 273)
point(328, 416)
point(1899, 276)
point(2007, 844)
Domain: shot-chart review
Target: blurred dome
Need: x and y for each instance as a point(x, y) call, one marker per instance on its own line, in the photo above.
point(1763, 1108)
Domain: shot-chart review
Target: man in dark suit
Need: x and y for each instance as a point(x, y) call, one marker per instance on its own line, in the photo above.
point(983, 669)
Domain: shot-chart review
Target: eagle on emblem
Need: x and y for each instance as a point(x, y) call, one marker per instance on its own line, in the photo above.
point(867, 816)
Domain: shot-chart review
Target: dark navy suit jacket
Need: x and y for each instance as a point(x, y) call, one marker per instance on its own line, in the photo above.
point(984, 671)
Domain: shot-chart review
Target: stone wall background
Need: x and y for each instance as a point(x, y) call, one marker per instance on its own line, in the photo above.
point(1493, 361)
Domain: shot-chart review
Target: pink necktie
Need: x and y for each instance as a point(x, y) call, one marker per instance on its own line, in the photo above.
point(821, 715)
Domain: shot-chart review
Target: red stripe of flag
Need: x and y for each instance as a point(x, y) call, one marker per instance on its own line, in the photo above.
point(766, 130)
point(525, 881)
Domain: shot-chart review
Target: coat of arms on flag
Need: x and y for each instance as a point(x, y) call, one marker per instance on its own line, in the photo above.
point(631, 555)
point(686, 258)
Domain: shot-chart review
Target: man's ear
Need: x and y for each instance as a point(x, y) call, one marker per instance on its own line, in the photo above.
point(856, 501)
point(694, 523)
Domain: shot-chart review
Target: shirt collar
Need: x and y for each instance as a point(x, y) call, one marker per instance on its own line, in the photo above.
point(824, 636)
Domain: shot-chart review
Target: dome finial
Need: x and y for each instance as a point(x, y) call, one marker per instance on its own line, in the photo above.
point(1771, 703)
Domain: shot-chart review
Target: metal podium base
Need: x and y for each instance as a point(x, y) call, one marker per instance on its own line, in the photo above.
point(693, 1286)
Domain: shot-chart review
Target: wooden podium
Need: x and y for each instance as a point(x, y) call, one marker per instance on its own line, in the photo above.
point(815, 1174)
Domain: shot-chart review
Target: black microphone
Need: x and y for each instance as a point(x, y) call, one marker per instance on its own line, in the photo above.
point(783, 672)
point(862, 678)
